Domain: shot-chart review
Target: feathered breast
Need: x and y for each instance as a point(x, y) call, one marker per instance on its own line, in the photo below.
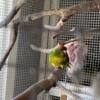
point(58, 58)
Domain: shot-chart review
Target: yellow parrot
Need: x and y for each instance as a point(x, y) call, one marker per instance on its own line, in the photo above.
point(58, 58)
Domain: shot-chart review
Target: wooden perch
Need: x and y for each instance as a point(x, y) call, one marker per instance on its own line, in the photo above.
point(71, 11)
point(38, 87)
point(43, 50)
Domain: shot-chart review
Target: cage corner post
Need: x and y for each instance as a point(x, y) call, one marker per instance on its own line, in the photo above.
point(54, 4)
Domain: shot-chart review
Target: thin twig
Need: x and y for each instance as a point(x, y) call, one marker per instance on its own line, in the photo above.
point(44, 50)
point(64, 13)
point(88, 34)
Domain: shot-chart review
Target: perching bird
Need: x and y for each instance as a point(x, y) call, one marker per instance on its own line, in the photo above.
point(58, 58)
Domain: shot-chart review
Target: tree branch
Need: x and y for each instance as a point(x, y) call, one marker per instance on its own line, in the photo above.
point(14, 28)
point(14, 32)
point(38, 87)
point(12, 14)
point(45, 84)
point(64, 13)
point(44, 50)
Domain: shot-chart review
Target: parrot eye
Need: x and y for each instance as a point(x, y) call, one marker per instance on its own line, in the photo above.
point(64, 48)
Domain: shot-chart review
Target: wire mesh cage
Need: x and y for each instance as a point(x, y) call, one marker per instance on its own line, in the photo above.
point(26, 69)
point(28, 62)
point(85, 20)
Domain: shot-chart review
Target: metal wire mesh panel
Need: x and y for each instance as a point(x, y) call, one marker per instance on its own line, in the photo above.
point(92, 64)
point(27, 64)
point(85, 20)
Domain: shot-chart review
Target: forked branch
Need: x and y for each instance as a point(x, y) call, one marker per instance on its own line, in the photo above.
point(64, 13)
point(12, 13)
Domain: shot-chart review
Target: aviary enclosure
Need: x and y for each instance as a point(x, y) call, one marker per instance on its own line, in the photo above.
point(44, 24)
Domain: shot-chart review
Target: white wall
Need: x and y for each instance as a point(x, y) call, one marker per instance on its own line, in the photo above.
point(5, 6)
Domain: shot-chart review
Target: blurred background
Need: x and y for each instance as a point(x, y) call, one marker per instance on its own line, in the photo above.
point(25, 67)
